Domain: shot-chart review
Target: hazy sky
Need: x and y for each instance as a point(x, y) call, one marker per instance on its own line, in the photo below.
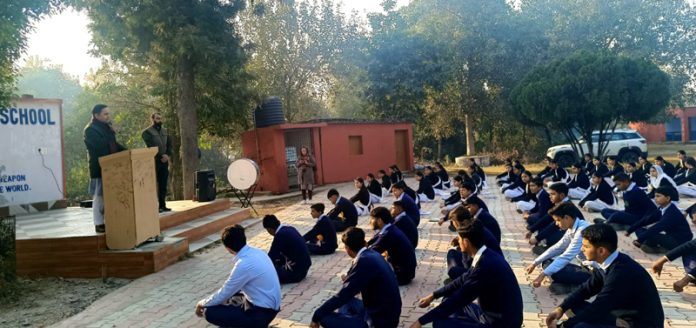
point(65, 39)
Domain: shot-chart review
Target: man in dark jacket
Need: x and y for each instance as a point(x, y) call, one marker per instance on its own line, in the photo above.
point(100, 140)
point(288, 251)
point(157, 136)
point(321, 240)
point(391, 241)
point(344, 214)
point(636, 204)
point(404, 223)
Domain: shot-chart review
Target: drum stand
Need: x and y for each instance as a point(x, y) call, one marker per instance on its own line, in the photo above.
point(245, 197)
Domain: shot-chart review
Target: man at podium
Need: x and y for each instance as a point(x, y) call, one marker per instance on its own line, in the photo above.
point(156, 136)
point(100, 139)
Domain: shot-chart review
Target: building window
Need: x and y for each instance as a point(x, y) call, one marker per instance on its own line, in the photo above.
point(355, 145)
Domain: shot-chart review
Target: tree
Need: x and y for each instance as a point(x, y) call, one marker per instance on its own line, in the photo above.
point(586, 92)
point(44, 80)
point(193, 47)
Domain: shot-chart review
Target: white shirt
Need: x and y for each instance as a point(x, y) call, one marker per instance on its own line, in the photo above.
point(478, 213)
point(399, 217)
point(565, 250)
point(477, 257)
point(604, 265)
point(385, 228)
point(255, 276)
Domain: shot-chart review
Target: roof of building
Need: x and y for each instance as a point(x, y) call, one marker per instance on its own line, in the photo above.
point(351, 121)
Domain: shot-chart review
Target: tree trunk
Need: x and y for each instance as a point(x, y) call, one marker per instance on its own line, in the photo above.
point(470, 147)
point(175, 173)
point(439, 149)
point(188, 124)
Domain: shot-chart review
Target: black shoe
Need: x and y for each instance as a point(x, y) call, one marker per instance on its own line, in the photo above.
point(538, 249)
point(653, 250)
point(519, 211)
point(100, 228)
point(599, 221)
point(164, 209)
point(560, 289)
point(619, 227)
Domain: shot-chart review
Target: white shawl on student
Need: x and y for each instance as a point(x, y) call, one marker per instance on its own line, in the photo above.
point(656, 181)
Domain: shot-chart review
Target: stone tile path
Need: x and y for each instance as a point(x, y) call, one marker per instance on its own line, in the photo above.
point(167, 298)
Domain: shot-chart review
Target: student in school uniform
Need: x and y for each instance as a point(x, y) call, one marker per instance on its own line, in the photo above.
point(409, 204)
point(565, 275)
point(638, 177)
point(527, 200)
point(459, 262)
point(658, 178)
point(288, 251)
point(434, 179)
point(622, 288)
point(555, 174)
point(321, 239)
point(478, 169)
point(665, 229)
point(385, 182)
point(580, 184)
point(667, 167)
point(681, 161)
point(687, 251)
point(543, 203)
point(505, 177)
point(390, 240)
point(404, 223)
point(478, 210)
point(600, 196)
point(344, 214)
point(614, 168)
point(546, 169)
point(636, 204)
point(644, 165)
point(686, 181)
point(547, 232)
point(466, 190)
point(515, 188)
point(454, 197)
point(361, 199)
point(600, 168)
point(374, 187)
point(369, 275)
point(393, 176)
point(444, 177)
point(425, 191)
point(490, 280)
point(477, 179)
point(587, 166)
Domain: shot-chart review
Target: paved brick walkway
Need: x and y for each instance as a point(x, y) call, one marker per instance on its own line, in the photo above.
point(167, 298)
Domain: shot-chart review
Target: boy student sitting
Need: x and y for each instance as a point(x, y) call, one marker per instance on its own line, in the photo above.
point(344, 214)
point(667, 167)
point(374, 188)
point(526, 201)
point(580, 184)
point(390, 240)
point(288, 251)
point(546, 230)
point(459, 262)
point(505, 177)
point(369, 275)
point(636, 204)
point(250, 296)
point(361, 199)
point(516, 186)
point(321, 240)
point(556, 173)
point(600, 196)
point(636, 176)
point(425, 191)
point(687, 251)
point(385, 182)
point(614, 168)
point(490, 280)
point(566, 276)
point(599, 167)
point(667, 227)
point(686, 181)
point(409, 204)
point(625, 292)
point(543, 203)
point(453, 199)
point(478, 210)
point(404, 223)
point(466, 191)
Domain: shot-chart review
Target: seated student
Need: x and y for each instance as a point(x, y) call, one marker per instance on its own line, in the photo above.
point(600, 196)
point(385, 182)
point(409, 204)
point(587, 165)
point(636, 204)
point(459, 262)
point(636, 176)
point(405, 223)
point(623, 289)
point(475, 177)
point(391, 241)
point(434, 179)
point(667, 167)
point(667, 227)
point(490, 280)
point(374, 188)
point(681, 161)
point(371, 276)
point(393, 176)
point(288, 251)
point(686, 182)
point(425, 191)
point(546, 169)
point(526, 201)
point(547, 232)
point(644, 165)
point(505, 177)
point(614, 168)
point(361, 200)
point(599, 167)
point(543, 203)
point(344, 214)
point(454, 197)
point(687, 251)
point(566, 276)
point(516, 186)
point(250, 296)
point(580, 184)
point(660, 179)
point(477, 168)
point(478, 210)
point(555, 174)
point(444, 177)
point(321, 240)
point(466, 191)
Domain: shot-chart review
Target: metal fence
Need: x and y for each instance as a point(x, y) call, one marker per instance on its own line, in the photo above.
point(8, 256)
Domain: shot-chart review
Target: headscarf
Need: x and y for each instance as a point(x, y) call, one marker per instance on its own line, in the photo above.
point(656, 181)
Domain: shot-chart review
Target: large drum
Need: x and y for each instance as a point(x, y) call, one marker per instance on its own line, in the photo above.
point(243, 173)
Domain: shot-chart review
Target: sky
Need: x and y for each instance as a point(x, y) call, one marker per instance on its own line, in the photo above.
point(64, 39)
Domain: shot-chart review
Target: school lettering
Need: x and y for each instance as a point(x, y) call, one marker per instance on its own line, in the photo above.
point(26, 116)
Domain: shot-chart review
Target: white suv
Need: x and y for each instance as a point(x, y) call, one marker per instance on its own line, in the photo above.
point(626, 144)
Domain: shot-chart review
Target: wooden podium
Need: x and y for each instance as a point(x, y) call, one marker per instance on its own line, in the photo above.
point(131, 211)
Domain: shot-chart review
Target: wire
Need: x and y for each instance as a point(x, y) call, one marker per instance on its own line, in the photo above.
point(43, 162)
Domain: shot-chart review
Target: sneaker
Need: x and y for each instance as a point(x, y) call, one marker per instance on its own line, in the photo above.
point(561, 289)
point(100, 228)
point(653, 250)
point(538, 249)
point(599, 221)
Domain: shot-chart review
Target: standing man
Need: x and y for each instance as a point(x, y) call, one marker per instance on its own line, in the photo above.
point(100, 139)
point(156, 136)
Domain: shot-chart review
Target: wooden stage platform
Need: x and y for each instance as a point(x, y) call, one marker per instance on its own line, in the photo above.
point(63, 243)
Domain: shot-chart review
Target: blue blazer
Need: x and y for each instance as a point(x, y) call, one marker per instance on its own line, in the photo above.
point(402, 256)
point(637, 202)
point(405, 224)
point(490, 223)
point(495, 286)
point(542, 207)
point(686, 249)
point(601, 192)
point(371, 276)
point(639, 178)
point(411, 208)
point(325, 228)
point(625, 286)
point(350, 214)
point(289, 246)
point(671, 223)
point(580, 181)
point(425, 187)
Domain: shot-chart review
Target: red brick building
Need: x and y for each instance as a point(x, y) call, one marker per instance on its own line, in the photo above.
point(681, 128)
point(342, 149)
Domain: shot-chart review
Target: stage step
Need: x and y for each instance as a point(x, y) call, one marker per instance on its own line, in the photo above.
point(203, 228)
point(215, 237)
point(186, 211)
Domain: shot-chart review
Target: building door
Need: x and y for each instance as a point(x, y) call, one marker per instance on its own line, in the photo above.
point(294, 140)
point(673, 130)
point(402, 149)
point(692, 128)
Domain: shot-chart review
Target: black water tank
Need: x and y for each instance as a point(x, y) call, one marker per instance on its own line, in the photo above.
point(269, 113)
